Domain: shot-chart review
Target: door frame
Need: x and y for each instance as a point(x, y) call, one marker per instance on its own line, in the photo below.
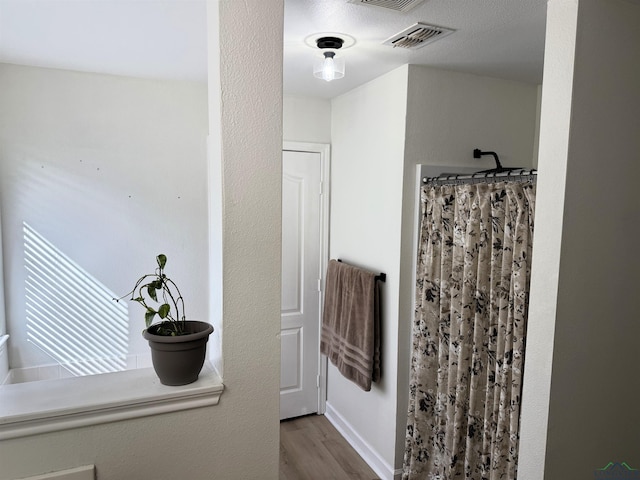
point(324, 149)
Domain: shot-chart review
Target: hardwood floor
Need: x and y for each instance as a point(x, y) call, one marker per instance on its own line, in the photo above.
point(312, 449)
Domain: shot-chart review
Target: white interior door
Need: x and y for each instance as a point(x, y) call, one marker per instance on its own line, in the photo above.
point(301, 204)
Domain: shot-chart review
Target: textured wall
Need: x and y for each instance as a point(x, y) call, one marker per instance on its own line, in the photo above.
point(554, 139)
point(250, 102)
point(239, 437)
point(306, 119)
point(591, 388)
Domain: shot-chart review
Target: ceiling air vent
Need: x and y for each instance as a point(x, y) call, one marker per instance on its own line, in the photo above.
point(417, 36)
point(397, 5)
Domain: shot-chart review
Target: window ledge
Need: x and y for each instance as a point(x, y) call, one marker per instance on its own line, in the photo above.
point(52, 405)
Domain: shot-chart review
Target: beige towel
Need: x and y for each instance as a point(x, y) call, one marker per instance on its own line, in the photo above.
point(351, 323)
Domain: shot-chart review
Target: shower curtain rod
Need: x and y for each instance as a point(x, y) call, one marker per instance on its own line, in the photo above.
point(479, 177)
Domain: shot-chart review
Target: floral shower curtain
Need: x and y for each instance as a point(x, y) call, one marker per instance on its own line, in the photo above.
point(469, 331)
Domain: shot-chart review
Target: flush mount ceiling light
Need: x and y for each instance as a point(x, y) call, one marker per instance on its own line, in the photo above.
point(329, 67)
point(329, 47)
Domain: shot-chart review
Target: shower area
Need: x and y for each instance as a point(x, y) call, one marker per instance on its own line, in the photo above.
point(473, 266)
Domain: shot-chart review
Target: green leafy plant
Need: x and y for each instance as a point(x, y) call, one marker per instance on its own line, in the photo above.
point(159, 295)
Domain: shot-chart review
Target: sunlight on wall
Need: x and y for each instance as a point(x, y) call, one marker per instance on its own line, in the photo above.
point(70, 315)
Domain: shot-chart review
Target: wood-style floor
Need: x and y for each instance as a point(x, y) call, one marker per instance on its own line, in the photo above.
point(312, 449)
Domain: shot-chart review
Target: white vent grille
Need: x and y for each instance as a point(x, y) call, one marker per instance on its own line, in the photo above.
point(397, 5)
point(417, 36)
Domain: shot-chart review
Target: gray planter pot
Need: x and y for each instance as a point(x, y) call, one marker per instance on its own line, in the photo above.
point(178, 360)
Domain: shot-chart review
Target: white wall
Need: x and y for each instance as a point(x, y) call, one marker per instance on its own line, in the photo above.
point(586, 376)
point(306, 119)
point(111, 171)
point(3, 327)
point(250, 99)
point(452, 113)
point(431, 117)
point(368, 131)
point(239, 437)
point(554, 138)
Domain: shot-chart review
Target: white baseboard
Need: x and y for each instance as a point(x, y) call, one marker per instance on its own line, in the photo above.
point(360, 445)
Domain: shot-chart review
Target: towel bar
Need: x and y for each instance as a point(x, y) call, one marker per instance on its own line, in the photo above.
point(382, 276)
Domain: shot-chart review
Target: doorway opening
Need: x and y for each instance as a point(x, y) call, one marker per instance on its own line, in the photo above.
point(305, 251)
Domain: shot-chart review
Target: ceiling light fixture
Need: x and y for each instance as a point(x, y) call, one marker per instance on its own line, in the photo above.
point(329, 67)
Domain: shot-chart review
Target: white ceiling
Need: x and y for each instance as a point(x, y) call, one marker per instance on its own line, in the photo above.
point(501, 38)
point(145, 38)
point(167, 38)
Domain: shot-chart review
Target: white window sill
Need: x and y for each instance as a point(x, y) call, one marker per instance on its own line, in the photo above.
point(51, 405)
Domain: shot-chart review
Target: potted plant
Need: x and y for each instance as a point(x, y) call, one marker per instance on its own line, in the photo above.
point(178, 346)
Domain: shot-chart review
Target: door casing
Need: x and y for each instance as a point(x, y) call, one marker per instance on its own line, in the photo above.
point(324, 150)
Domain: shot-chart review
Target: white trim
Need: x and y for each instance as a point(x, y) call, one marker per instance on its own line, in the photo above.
point(56, 371)
point(52, 405)
point(324, 150)
point(4, 358)
point(87, 472)
point(360, 445)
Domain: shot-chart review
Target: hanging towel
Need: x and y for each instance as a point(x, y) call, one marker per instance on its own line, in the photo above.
point(351, 323)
